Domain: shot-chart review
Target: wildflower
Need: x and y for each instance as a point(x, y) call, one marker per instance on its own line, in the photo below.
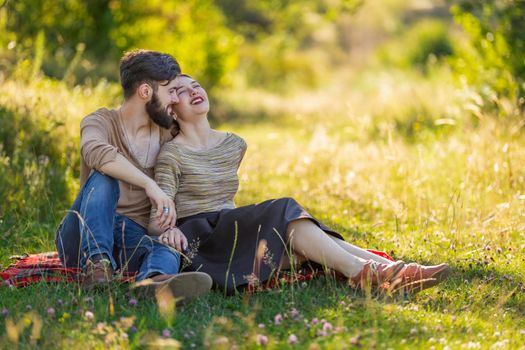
point(221, 342)
point(278, 319)
point(166, 333)
point(51, 312)
point(294, 313)
point(292, 339)
point(327, 327)
point(321, 333)
point(133, 329)
point(340, 329)
point(262, 340)
point(60, 302)
point(261, 325)
point(413, 331)
point(188, 334)
point(5, 312)
point(315, 320)
point(472, 345)
point(354, 340)
point(503, 344)
point(89, 315)
point(64, 317)
point(132, 302)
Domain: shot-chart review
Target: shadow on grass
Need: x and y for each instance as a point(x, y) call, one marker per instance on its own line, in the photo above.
point(485, 287)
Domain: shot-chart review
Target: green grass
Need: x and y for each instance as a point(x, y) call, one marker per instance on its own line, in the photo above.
point(368, 154)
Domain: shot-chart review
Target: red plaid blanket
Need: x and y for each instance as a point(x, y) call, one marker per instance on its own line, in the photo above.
point(46, 267)
point(42, 267)
point(28, 269)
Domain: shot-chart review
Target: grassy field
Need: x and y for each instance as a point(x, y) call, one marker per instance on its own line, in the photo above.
point(393, 160)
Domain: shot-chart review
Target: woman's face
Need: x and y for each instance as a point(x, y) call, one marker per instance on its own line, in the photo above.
point(193, 99)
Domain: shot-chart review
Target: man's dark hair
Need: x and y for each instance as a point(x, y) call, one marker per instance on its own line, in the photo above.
point(144, 66)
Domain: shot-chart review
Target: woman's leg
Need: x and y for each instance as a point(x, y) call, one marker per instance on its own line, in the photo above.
point(308, 240)
point(359, 252)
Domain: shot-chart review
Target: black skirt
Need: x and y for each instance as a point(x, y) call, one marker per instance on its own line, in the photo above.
point(241, 246)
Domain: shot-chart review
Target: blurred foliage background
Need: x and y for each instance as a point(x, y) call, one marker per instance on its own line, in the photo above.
point(81, 41)
point(260, 60)
point(272, 43)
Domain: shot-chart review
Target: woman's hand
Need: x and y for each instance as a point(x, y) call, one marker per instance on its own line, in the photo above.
point(175, 239)
point(165, 214)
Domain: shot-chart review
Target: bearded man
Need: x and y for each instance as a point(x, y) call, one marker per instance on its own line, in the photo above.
point(106, 228)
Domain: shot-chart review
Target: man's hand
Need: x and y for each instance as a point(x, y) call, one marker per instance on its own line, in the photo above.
point(175, 239)
point(165, 214)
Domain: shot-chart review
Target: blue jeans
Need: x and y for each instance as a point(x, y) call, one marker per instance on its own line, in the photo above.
point(92, 226)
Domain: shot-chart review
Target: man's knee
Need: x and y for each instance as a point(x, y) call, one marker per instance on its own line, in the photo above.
point(102, 184)
point(170, 258)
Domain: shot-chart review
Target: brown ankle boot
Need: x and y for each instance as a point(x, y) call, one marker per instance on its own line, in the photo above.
point(97, 273)
point(414, 277)
point(376, 274)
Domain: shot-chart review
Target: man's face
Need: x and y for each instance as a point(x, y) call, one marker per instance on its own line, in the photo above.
point(159, 108)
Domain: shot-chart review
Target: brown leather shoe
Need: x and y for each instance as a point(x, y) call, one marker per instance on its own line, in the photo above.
point(182, 286)
point(376, 274)
point(414, 277)
point(97, 274)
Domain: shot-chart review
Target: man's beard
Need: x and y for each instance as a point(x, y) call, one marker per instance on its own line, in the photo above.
point(158, 114)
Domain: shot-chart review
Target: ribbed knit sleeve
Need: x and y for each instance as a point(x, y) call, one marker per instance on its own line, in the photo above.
point(167, 173)
point(95, 144)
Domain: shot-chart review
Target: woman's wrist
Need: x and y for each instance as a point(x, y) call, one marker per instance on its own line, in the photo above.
point(148, 182)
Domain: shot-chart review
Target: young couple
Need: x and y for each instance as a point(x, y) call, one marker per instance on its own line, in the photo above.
point(158, 180)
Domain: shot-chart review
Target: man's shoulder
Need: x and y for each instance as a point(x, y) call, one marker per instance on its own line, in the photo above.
point(102, 116)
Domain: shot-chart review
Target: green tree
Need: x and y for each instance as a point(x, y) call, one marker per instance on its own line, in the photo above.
point(493, 58)
point(193, 31)
point(279, 38)
point(86, 38)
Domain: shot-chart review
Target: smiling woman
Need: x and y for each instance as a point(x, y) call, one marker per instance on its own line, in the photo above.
point(245, 246)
